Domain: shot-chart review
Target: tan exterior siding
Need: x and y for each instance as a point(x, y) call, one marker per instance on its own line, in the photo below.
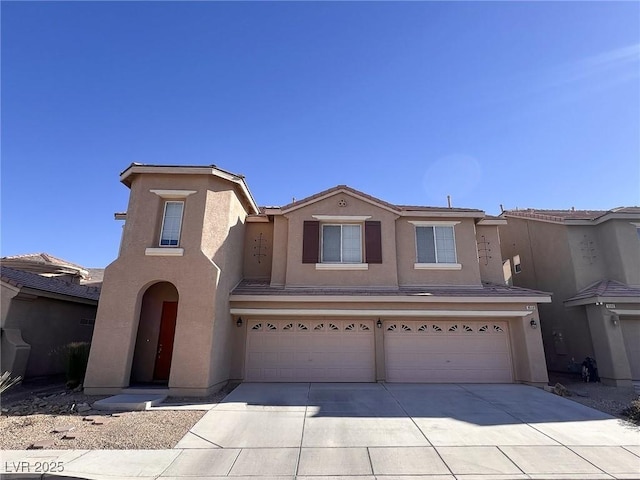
point(212, 236)
point(298, 273)
point(489, 255)
point(258, 251)
point(565, 258)
point(217, 250)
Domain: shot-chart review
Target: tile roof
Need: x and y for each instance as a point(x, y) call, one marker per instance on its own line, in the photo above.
point(42, 259)
point(21, 279)
point(607, 288)
point(373, 199)
point(562, 215)
point(255, 287)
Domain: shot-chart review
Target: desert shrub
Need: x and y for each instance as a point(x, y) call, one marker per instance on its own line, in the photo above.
point(77, 358)
point(632, 412)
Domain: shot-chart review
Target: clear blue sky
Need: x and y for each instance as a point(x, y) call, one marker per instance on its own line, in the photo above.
point(524, 104)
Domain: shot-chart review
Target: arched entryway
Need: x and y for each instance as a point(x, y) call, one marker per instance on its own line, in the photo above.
point(156, 331)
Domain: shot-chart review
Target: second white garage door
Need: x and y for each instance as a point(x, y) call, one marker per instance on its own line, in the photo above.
point(437, 351)
point(310, 351)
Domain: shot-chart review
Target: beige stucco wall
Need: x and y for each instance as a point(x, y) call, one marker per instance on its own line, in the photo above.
point(609, 349)
point(258, 251)
point(46, 325)
point(621, 251)
point(489, 255)
point(466, 252)
point(212, 236)
point(305, 274)
point(563, 260)
point(547, 264)
point(280, 248)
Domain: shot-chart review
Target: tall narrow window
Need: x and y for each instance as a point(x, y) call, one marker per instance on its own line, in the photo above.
point(171, 224)
point(341, 244)
point(517, 267)
point(435, 244)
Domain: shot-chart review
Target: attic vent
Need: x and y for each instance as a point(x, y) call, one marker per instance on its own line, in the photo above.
point(342, 202)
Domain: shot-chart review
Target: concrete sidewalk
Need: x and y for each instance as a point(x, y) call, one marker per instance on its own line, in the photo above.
point(378, 431)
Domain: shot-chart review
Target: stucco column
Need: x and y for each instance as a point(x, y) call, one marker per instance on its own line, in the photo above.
point(608, 347)
point(529, 359)
point(112, 346)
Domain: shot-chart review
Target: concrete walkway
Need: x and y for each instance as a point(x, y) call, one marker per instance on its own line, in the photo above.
point(379, 431)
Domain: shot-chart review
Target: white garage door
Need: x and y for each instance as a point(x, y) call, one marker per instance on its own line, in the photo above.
point(310, 351)
point(440, 351)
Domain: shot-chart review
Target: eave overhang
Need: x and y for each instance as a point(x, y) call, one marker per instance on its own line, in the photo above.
point(126, 177)
point(388, 299)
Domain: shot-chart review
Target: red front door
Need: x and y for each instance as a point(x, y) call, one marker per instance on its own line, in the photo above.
point(165, 341)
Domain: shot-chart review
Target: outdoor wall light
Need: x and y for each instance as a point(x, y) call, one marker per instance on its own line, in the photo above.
point(379, 324)
point(533, 323)
point(614, 320)
point(239, 322)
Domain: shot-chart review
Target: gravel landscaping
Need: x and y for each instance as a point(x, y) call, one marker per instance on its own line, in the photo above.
point(611, 400)
point(53, 417)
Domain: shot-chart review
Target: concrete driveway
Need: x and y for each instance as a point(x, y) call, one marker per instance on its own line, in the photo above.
point(384, 432)
point(406, 429)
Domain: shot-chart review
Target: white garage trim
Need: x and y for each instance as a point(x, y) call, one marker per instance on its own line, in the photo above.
point(303, 350)
point(443, 351)
point(377, 313)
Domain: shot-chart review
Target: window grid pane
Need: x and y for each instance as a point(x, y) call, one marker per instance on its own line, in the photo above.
point(331, 243)
point(341, 244)
point(351, 244)
point(425, 245)
point(445, 245)
point(171, 224)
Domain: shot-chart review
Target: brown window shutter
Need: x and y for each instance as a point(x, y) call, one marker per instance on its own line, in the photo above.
point(310, 241)
point(373, 241)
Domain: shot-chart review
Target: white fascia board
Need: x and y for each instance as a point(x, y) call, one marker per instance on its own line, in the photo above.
point(172, 194)
point(257, 219)
point(432, 223)
point(440, 214)
point(342, 266)
point(164, 252)
point(378, 313)
point(342, 218)
point(385, 299)
point(492, 221)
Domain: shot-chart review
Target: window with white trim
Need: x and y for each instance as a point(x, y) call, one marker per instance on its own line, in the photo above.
point(517, 267)
point(171, 224)
point(341, 243)
point(435, 244)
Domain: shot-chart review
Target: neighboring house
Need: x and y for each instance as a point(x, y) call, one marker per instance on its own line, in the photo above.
point(39, 316)
point(47, 265)
point(590, 260)
point(339, 286)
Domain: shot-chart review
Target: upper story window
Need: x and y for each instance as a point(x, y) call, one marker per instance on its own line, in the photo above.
point(517, 267)
point(171, 224)
point(172, 213)
point(436, 245)
point(341, 243)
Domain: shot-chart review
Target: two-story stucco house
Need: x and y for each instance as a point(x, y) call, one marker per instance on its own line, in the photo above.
point(339, 286)
point(590, 260)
